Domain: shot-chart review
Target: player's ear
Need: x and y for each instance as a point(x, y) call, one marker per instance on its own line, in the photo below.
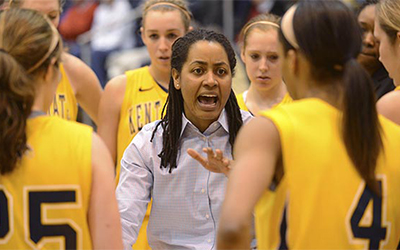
point(141, 30)
point(291, 57)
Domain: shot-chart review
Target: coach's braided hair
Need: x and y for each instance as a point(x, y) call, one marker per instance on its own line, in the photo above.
point(327, 33)
point(173, 108)
point(26, 44)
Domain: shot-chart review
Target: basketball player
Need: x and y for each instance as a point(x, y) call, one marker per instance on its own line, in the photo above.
point(78, 84)
point(336, 154)
point(56, 182)
point(369, 56)
point(259, 52)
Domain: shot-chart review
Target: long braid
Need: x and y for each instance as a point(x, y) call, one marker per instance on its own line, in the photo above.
point(171, 134)
point(235, 121)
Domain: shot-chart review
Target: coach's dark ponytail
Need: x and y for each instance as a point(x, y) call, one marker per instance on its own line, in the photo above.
point(27, 45)
point(327, 33)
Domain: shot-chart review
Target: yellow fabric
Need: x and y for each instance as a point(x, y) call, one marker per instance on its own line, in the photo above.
point(397, 88)
point(323, 185)
point(242, 103)
point(269, 215)
point(64, 104)
point(286, 99)
point(59, 160)
point(269, 210)
point(143, 102)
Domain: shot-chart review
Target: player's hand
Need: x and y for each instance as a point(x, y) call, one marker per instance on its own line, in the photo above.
point(215, 161)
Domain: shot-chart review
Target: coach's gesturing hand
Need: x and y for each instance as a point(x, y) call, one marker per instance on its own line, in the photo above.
point(215, 161)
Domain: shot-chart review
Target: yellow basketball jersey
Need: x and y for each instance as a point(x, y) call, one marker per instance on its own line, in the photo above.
point(143, 103)
point(242, 103)
point(397, 88)
point(328, 204)
point(64, 104)
point(44, 201)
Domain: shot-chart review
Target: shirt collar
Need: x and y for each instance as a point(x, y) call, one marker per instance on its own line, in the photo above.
point(222, 120)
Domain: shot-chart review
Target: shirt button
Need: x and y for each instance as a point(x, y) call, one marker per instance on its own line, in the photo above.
point(202, 190)
point(209, 241)
point(207, 216)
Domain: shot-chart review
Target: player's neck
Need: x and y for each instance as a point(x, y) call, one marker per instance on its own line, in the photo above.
point(257, 100)
point(328, 92)
point(43, 98)
point(161, 77)
point(266, 95)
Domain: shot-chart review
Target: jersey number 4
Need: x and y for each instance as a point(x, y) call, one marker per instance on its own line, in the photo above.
point(37, 230)
point(374, 232)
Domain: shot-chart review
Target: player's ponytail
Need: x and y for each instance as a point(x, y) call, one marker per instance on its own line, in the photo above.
point(361, 127)
point(331, 45)
point(16, 100)
point(28, 43)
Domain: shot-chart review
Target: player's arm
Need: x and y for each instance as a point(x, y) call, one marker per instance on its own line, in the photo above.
point(257, 152)
point(85, 83)
point(104, 220)
point(109, 113)
point(389, 106)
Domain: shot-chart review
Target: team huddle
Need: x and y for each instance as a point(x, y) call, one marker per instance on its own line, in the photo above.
point(306, 158)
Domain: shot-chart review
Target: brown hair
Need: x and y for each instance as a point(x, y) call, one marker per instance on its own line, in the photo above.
point(18, 3)
point(26, 38)
point(262, 22)
point(328, 34)
point(388, 17)
point(169, 5)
